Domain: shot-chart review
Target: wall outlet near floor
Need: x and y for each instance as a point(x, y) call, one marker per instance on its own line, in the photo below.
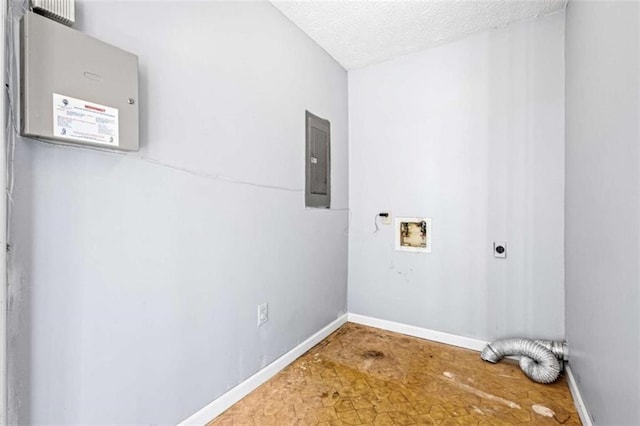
point(263, 313)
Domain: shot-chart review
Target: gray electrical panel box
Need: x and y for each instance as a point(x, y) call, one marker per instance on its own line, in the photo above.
point(76, 89)
point(318, 162)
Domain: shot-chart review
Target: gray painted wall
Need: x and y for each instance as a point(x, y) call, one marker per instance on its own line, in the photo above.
point(602, 206)
point(134, 285)
point(471, 135)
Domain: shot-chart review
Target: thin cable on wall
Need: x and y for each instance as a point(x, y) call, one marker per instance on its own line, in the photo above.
point(375, 222)
point(154, 161)
point(222, 178)
point(385, 220)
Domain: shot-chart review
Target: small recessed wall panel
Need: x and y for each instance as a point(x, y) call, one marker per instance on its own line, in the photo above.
point(318, 162)
point(413, 234)
point(77, 89)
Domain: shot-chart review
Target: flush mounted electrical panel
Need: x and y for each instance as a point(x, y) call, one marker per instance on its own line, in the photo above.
point(76, 89)
point(318, 162)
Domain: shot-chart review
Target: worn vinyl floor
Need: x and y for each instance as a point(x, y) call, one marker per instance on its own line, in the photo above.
point(366, 376)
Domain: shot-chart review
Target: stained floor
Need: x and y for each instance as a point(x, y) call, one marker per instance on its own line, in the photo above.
point(366, 376)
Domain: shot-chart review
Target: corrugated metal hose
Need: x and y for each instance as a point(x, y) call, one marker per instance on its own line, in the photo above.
point(541, 360)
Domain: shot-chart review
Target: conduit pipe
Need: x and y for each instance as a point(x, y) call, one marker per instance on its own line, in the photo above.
point(540, 360)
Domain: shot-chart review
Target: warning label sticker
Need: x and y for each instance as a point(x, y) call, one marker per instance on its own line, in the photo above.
point(84, 121)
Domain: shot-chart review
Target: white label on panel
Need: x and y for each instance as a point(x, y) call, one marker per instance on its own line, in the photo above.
point(84, 121)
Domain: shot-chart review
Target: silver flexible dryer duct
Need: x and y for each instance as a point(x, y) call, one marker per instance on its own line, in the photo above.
point(559, 349)
point(539, 359)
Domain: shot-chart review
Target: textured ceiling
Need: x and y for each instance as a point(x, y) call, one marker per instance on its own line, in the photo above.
point(363, 32)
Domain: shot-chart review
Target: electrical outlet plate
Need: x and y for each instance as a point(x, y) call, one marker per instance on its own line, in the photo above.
point(500, 249)
point(386, 220)
point(263, 314)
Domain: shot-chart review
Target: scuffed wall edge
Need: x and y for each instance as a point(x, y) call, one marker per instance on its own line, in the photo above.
point(577, 398)
point(221, 404)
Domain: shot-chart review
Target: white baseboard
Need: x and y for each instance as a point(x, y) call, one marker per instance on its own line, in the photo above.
point(423, 333)
point(218, 406)
point(577, 398)
point(225, 401)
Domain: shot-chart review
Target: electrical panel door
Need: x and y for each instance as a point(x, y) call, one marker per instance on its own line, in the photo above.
point(76, 89)
point(318, 162)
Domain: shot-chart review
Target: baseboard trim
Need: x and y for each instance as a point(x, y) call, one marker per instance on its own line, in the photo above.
point(225, 401)
point(577, 398)
point(423, 333)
